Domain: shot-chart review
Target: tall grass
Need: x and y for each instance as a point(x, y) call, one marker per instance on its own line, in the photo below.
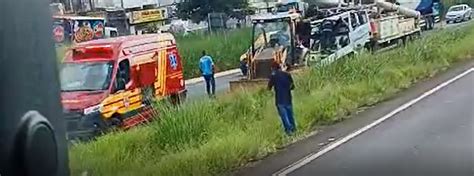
point(225, 47)
point(212, 137)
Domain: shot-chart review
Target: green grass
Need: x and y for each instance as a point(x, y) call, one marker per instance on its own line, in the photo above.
point(213, 137)
point(225, 48)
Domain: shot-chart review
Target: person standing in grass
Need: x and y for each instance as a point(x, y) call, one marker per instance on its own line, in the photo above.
point(282, 83)
point(206, 66)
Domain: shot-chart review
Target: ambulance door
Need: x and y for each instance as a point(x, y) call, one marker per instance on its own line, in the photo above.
point(160, 84)
point(131, 95)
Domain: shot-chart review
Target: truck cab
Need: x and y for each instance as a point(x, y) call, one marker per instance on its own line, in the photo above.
point(339, 35)
point(112, 83)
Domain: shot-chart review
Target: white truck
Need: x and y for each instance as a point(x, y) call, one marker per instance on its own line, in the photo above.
point(338, 36)
point(395, 26)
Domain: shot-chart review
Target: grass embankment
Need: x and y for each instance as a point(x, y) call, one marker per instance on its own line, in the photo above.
point(212, 137)
point(225, 47)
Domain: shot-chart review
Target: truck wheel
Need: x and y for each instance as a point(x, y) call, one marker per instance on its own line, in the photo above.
point(431, 23)
point(416, 35)
point(401, 42)
point(375, 46)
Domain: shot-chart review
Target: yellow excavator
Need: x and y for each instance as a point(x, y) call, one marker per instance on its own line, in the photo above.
point(273, 41)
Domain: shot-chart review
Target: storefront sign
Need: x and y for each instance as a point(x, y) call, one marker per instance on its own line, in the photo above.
point(144, 16)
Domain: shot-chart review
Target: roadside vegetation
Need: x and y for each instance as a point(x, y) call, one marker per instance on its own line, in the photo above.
point(449, 3)
point(213, 137)
point(225, 47)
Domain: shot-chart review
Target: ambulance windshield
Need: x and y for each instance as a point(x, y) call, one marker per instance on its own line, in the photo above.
point(86, 76)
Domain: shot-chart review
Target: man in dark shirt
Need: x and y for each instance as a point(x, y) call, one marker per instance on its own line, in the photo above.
point(282, 82)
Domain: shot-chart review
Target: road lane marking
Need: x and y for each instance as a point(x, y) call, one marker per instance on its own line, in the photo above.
point(289, 169)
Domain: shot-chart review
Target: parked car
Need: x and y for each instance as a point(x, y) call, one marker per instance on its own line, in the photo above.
point(459, 13)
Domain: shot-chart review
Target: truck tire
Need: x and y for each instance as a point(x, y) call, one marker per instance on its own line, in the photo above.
point(416, 35)
point(401, 42)
point(177, 99)
point(374, 46)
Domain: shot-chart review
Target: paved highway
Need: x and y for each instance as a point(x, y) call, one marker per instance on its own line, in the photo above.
point(197, 90)
point(428, 129)
point(434, 136)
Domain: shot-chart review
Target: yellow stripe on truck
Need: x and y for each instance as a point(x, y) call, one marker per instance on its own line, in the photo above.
point(131, 107)
point(163, 73)
point(115, 103)
point(135, 99)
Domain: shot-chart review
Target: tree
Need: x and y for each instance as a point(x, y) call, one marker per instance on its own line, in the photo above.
point(197, 10)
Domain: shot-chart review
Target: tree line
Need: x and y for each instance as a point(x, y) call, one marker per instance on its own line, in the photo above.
point(197, 10)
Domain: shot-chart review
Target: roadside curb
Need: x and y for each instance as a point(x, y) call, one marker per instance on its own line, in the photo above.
point(217, 75)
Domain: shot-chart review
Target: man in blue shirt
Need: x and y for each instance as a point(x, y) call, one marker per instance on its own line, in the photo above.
point(282, 83)
point(206, 66)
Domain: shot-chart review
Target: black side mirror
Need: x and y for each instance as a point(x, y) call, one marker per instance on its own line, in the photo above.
point(119, 84)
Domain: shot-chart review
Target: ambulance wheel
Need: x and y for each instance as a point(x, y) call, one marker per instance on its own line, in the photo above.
point(177, 99)
point(115, 123)
point(101, 128)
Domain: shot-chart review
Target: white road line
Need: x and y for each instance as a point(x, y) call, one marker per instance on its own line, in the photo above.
point(309, 158)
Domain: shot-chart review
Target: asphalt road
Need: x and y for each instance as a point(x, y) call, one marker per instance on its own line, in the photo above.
point(439, 125)
point(432, 137)
point(197, 90)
